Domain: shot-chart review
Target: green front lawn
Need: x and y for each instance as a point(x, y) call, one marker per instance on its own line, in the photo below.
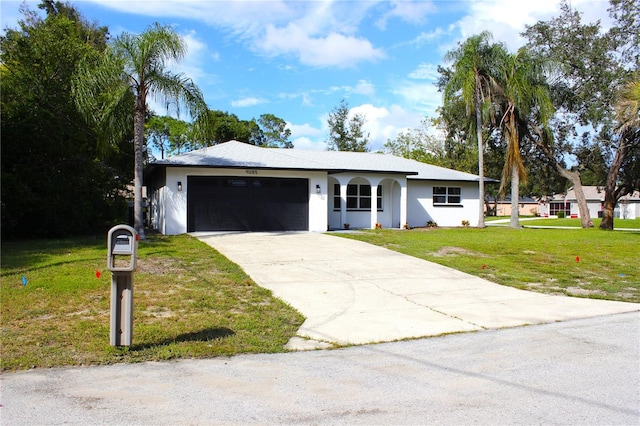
point(580, 262)
point(574, 223)
point(617, 223)
point(189, 302)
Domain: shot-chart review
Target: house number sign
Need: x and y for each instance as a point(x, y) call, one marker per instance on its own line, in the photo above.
point(251, 172)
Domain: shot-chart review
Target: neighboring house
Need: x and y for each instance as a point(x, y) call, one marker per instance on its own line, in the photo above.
point(628, 207)
point(551, 206)
point(527, 206)
point(235, 186)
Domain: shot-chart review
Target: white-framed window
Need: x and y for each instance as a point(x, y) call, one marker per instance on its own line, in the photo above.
point(447, 195)
point(358, 197)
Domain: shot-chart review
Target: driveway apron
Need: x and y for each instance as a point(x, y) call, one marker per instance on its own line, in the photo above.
point(356, 293)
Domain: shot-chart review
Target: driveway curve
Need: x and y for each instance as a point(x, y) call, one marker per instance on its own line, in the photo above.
point(355, 293)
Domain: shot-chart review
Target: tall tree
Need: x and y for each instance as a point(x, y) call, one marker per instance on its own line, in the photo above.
point(627, 110)
point(474, 80)
point(169, 135)
point(136, 64)
point(417, 144)
point(592, 66)
point(346, 133)
point(222, 126)
point(525, 100)
point(54, 180)
point(275, 133)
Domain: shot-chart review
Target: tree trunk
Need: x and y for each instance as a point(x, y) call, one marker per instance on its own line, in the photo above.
point(607, 210)
point(574, 178)
point(515, 197)
point(138, 142)
point(480, 159)
point(610, 196)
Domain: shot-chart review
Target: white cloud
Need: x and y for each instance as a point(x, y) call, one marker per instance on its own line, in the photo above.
point(333, 50)
point(306, 136)
point(425, 72)
point(408, 11)
point(316, 33)
point(506, 19)
point(364, 87)
point(427, 37)
point(309, 145)
point(299, 130)
point(383, 123)
point(421, 97)
point(248, 102)
point(197, 52)
point(420, 94)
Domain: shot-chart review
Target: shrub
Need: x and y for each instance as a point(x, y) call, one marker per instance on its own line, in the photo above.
point(432, 224)
point(560, 215)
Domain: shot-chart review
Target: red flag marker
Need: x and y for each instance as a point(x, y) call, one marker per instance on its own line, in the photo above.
point(97, 274)
point(577, 258)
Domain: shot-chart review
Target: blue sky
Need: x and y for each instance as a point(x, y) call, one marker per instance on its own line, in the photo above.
point(298, 59)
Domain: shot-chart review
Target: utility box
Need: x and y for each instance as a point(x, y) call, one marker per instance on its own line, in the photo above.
point(122, 251)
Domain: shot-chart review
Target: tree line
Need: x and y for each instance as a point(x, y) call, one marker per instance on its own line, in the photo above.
point(77, 130)
point(76, 127)
point(561, 111)
point(171, 136)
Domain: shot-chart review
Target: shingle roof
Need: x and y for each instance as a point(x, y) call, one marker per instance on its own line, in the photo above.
point(234, 154)
point(597, 193)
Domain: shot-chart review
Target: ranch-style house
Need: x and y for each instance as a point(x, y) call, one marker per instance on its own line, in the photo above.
point(235, 186)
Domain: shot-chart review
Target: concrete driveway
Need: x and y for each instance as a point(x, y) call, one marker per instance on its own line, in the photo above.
point(356, 293)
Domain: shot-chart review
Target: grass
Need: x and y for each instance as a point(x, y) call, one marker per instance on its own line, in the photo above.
point(189, 302)
point(582, 262)
point(617, 223)
point(574, 223)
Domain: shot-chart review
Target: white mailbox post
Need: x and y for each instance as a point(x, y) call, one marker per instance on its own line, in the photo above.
point(122, 246)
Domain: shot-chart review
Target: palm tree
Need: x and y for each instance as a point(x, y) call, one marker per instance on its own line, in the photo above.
point(628, 107)
point(109, 88)
point(474, 80)
point(627, 114)
point(525, 99)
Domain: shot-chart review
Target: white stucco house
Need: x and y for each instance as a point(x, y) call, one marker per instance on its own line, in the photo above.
point(628, 207)
point(235, 186)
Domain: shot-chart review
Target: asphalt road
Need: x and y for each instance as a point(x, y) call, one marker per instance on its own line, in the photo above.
point(575, 372)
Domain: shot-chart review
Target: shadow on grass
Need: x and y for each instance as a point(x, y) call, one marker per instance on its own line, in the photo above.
point(204, 335)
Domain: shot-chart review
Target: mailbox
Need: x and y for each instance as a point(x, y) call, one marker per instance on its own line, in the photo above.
point(122, 251)
point(123, 244)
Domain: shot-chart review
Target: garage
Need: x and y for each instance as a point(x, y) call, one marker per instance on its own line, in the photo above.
point(232, 203)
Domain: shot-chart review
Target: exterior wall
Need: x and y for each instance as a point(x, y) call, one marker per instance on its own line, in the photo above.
point(157, 213)
point(420, 207)
point(403, 201)
point(623, 210)
point(594, 208)
point(172, 210)
point(526, 209)
point(628, 210)
point(392, 210)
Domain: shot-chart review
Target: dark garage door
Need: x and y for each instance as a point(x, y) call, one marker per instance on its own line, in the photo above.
point(247, 204)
